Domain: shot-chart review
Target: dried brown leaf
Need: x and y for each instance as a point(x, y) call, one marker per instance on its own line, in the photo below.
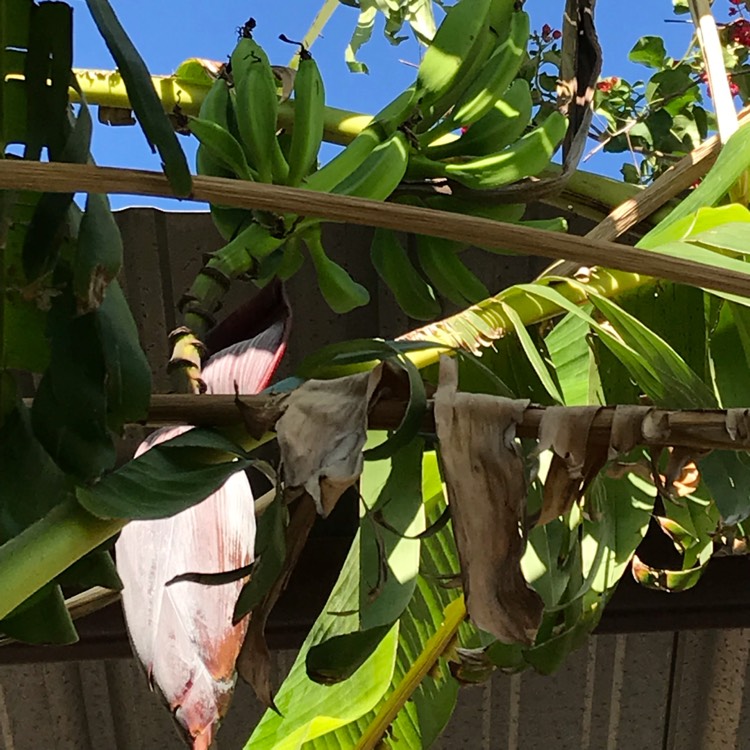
point(656, 427)
point(321, 435)
point(487, 488)
point(254, 660)
point(626, 429)
point(565, 430)
point(681, 476)
point(738, 424)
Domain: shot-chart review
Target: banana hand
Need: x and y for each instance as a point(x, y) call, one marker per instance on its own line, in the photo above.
point(338, 288)
point(412, 292)
point(309, 111)
point(447, 272)
point(502, 125)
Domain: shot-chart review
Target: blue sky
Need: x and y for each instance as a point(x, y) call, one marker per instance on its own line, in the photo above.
point(168, 31)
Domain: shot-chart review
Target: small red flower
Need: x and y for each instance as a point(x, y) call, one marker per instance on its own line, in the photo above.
point(736, 2)
point(739, 32)
point(733, 11)
point(556, 34)
point(734, 89)
point(546, 32)
point(607, 84)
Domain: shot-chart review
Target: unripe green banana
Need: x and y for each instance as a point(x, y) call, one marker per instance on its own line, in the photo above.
point(256, 105)
point(293, 258)
point(412, 292)
point(496, 75)
point(451, 49)
point(309, 112)
point(447, 272)
point(525, 158)
point(216, 107)
point(222, 146)
point(380, 173)
point(510, 213)
point(230, 221)
point(383, 125)
point(338, 288)
point(502, 125)
point(495, 29)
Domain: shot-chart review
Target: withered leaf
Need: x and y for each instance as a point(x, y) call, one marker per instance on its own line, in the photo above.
point(626, 429)
point(565, 431)
point(321, 435)
point(487, 488)
point(738, 424)
point(254, 660)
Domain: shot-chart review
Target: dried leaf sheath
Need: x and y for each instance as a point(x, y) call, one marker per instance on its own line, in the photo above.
point(487, 488)
point(183, 633)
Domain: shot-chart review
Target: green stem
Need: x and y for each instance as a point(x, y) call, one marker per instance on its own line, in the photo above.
point(45, 549)
point(105, 88)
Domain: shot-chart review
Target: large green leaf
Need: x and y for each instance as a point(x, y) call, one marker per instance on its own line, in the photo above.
point(393, 517)
point(569, 350)
point(142, 96)
point(70, 409)
point(308, 709)
point(727, 476)
point(165, 479)
point(730, 354)
point(732, 162)
point(128, 371)
point(424, 716)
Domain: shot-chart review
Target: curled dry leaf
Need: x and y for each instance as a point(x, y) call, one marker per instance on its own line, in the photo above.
point(285, 76)
point(565, 431)
point(321, 435)
point(486, 482)
point(626, 429)
point(681, 476)
point(656, 427)
point(254, 661)
point(738, 424)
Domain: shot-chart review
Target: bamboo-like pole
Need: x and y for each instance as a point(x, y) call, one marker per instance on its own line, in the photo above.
point(689, 428)
point(68, 178)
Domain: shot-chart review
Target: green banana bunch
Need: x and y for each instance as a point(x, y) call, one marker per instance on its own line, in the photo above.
point(413, 294)
point(462, 42)
point(383, 125)
point(492, 80)
point(447, 272)
point(256, 106)
point(380, 173)
point(309, 111)
point(222, 146)
point(217, 156)
point(338, 288)
point(504, 124)
point(527, 157)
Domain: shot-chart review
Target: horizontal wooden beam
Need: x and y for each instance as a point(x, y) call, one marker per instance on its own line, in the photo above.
point(694, 428)
point(71, 178)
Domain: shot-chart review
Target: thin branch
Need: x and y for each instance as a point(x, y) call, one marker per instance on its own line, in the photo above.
point(65, 178)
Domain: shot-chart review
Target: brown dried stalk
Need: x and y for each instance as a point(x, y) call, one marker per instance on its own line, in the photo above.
point(58, 177)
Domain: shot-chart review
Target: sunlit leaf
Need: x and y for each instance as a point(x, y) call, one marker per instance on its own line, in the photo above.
point(143, 97)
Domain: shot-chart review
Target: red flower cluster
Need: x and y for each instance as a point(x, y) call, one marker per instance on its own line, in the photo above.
point(607, 84)
point(734, 89)
point(739, 32)
point(549, 33)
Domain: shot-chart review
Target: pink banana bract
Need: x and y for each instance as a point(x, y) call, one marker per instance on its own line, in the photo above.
point(183, 633)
